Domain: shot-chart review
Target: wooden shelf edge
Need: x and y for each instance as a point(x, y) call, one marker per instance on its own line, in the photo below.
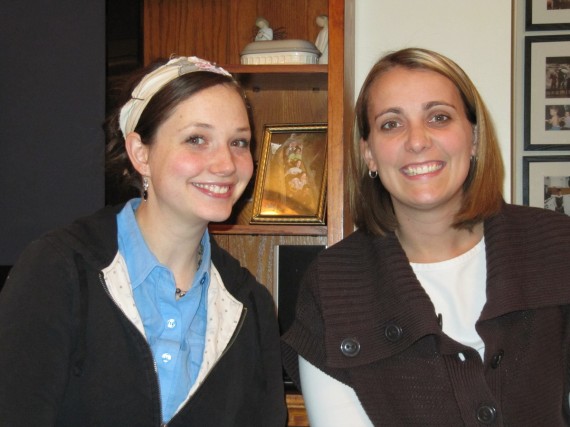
point(272, 229)
point(269, 69)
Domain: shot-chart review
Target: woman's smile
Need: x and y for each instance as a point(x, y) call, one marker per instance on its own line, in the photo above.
point(215, 190)
point(422, 168)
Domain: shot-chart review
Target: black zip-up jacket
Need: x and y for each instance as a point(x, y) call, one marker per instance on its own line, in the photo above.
point(70, 357)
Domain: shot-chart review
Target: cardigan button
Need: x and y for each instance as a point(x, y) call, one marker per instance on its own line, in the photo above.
point(497, 359)
point(393, 333)
point(350, 347)
point(486, 414)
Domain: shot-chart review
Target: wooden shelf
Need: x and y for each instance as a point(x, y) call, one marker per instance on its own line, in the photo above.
point(285, 68)
point(281, 77)
point(269, 230)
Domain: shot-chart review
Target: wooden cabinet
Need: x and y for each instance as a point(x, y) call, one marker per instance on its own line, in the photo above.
point(218, 30)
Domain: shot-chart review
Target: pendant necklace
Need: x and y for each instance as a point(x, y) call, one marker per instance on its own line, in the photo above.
point(179, 293)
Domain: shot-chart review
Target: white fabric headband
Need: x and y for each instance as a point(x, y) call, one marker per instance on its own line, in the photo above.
point(156, 80)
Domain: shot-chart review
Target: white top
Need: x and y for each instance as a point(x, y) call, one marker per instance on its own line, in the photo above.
point(329, 402)
point(457, 288)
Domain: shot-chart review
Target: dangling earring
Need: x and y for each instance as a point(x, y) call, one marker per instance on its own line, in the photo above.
point(372, 174)
point(145, 188)
point(474, 157)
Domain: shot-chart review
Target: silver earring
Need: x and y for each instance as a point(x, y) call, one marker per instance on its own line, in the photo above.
point(372, 174)
point(145, 188)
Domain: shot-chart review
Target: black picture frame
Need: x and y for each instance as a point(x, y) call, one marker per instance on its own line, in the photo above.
point(539, 18)
point(545, 178)
point(546, 58)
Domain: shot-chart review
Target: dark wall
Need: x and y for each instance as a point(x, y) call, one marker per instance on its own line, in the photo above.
point(52, 106)
point(124, 55)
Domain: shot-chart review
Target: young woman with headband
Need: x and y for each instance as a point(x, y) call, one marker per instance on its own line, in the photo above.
point(134, 316)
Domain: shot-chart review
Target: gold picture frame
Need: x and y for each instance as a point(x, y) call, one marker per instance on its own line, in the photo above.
point(290, 185)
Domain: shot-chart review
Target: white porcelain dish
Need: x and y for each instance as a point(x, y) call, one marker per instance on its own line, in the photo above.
point(275, 52)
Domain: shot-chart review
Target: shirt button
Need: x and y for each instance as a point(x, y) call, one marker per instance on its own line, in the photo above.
point(171, 323)
point(486, 414)
point(166, 357)
point(350, 347)
point(497, 359)
point(393, 333)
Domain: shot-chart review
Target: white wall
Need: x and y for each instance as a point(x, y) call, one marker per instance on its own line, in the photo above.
point(474, 33)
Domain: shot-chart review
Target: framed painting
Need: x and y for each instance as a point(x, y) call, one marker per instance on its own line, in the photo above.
point(290, 185)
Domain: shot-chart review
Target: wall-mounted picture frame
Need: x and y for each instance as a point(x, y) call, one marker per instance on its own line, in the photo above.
point(290, 185)
point(546, 182)
point(545, 15)
point(547, 93)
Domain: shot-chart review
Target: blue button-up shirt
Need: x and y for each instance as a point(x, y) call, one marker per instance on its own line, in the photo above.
point(175, 329)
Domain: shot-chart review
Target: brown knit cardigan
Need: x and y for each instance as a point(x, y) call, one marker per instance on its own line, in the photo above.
point(363, 318)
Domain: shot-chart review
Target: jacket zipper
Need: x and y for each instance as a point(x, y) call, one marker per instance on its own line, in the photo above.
point(157, 385)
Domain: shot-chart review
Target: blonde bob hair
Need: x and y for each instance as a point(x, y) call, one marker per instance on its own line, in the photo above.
point(371, 203)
